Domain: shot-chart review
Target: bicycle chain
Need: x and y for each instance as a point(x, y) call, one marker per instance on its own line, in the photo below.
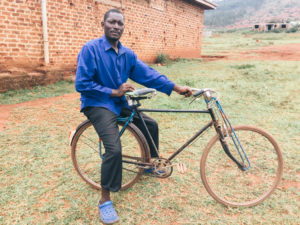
point(167, 168)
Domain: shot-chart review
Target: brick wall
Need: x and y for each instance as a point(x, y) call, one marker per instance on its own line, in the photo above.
point(20, 31)
point(151, 27)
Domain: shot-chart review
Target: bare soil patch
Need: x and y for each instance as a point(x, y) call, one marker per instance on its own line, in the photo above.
point(213, 57)
point(288, 52)
point(6, 109)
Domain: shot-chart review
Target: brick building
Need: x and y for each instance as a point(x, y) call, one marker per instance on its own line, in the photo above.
point(173, 27)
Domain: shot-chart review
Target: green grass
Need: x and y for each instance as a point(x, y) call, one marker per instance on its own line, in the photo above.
point(40, 186)
point(241, 42)
point(23, 95)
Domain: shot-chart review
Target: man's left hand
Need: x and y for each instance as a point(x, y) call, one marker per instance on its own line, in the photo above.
point(183, 90)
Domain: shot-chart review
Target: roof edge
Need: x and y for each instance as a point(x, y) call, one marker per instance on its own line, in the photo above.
point(205, 4)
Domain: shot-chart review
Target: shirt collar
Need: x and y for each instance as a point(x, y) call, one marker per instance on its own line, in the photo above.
point(107, 46)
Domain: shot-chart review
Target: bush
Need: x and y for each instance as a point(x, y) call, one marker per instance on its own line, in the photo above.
point(293, 29)
point(162, 58)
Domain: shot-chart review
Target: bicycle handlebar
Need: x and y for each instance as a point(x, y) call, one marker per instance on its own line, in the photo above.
point(146, 93)
point(206, 92)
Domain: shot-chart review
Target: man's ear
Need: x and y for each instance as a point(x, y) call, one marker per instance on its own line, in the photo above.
point(102, 24)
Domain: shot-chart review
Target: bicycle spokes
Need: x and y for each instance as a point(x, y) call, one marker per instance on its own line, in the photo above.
point(232, 186)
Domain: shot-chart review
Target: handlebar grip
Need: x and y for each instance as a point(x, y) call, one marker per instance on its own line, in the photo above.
point(200, 92)
point(183, 93)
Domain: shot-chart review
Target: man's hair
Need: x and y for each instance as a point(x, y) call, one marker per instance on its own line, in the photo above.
point(112, 11)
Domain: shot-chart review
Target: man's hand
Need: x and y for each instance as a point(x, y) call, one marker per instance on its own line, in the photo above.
point(183, 90)
point(125, 87)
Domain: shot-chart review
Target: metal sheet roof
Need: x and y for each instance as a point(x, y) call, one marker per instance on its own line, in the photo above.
point(205, 4)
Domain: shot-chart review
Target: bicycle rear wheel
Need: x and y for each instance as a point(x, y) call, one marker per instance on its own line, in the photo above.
point(229, 185)
point(85, 150)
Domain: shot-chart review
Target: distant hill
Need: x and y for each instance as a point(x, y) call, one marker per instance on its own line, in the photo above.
point(245, 13)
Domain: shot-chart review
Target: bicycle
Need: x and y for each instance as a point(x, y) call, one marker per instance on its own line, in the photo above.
point(240, 166)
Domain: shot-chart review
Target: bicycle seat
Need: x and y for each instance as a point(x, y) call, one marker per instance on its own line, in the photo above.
point(142, 93)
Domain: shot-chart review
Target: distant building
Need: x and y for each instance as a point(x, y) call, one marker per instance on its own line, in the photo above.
point(271, 26)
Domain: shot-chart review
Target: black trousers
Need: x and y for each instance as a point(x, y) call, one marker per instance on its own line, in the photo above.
point(105, 124)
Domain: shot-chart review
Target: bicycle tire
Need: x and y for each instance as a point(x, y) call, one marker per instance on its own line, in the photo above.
point(229, 185)
point(87, 161)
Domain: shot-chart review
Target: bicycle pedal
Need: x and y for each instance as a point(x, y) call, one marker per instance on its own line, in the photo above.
point(181, 168)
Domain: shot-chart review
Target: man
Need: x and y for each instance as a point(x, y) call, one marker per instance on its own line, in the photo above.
point(103, 67)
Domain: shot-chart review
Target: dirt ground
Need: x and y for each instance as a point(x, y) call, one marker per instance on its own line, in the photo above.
point(290, 52)
point(6, 109)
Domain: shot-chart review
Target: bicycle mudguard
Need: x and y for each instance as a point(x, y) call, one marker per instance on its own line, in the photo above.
point(73, 132)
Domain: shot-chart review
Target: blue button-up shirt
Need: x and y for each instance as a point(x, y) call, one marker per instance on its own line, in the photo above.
point(100, 69)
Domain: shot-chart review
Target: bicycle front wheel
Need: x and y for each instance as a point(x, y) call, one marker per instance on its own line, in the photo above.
point(85, 150)
point(229, 185)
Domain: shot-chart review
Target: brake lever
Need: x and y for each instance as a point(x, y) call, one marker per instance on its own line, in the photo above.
point(193, 100)
point(194, 89)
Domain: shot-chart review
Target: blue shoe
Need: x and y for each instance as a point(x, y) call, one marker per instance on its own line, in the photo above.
point(151, 171)
point(107, 212)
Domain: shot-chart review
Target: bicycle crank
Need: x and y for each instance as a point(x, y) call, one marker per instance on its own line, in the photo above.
point(162, 168)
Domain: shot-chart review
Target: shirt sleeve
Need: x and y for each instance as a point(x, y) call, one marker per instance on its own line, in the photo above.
point(145, 75)
point(86, 70)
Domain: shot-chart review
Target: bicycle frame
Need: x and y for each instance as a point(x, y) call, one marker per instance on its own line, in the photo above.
point(187, 143)
point(213, 121)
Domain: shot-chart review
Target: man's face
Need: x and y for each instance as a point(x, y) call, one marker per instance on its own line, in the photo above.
point(113, 26)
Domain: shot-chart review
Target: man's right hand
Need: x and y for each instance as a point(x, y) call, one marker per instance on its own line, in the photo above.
point(122, 90)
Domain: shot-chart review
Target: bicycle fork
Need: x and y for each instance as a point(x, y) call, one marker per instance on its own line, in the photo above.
point(237, 144)
point(228, 153)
